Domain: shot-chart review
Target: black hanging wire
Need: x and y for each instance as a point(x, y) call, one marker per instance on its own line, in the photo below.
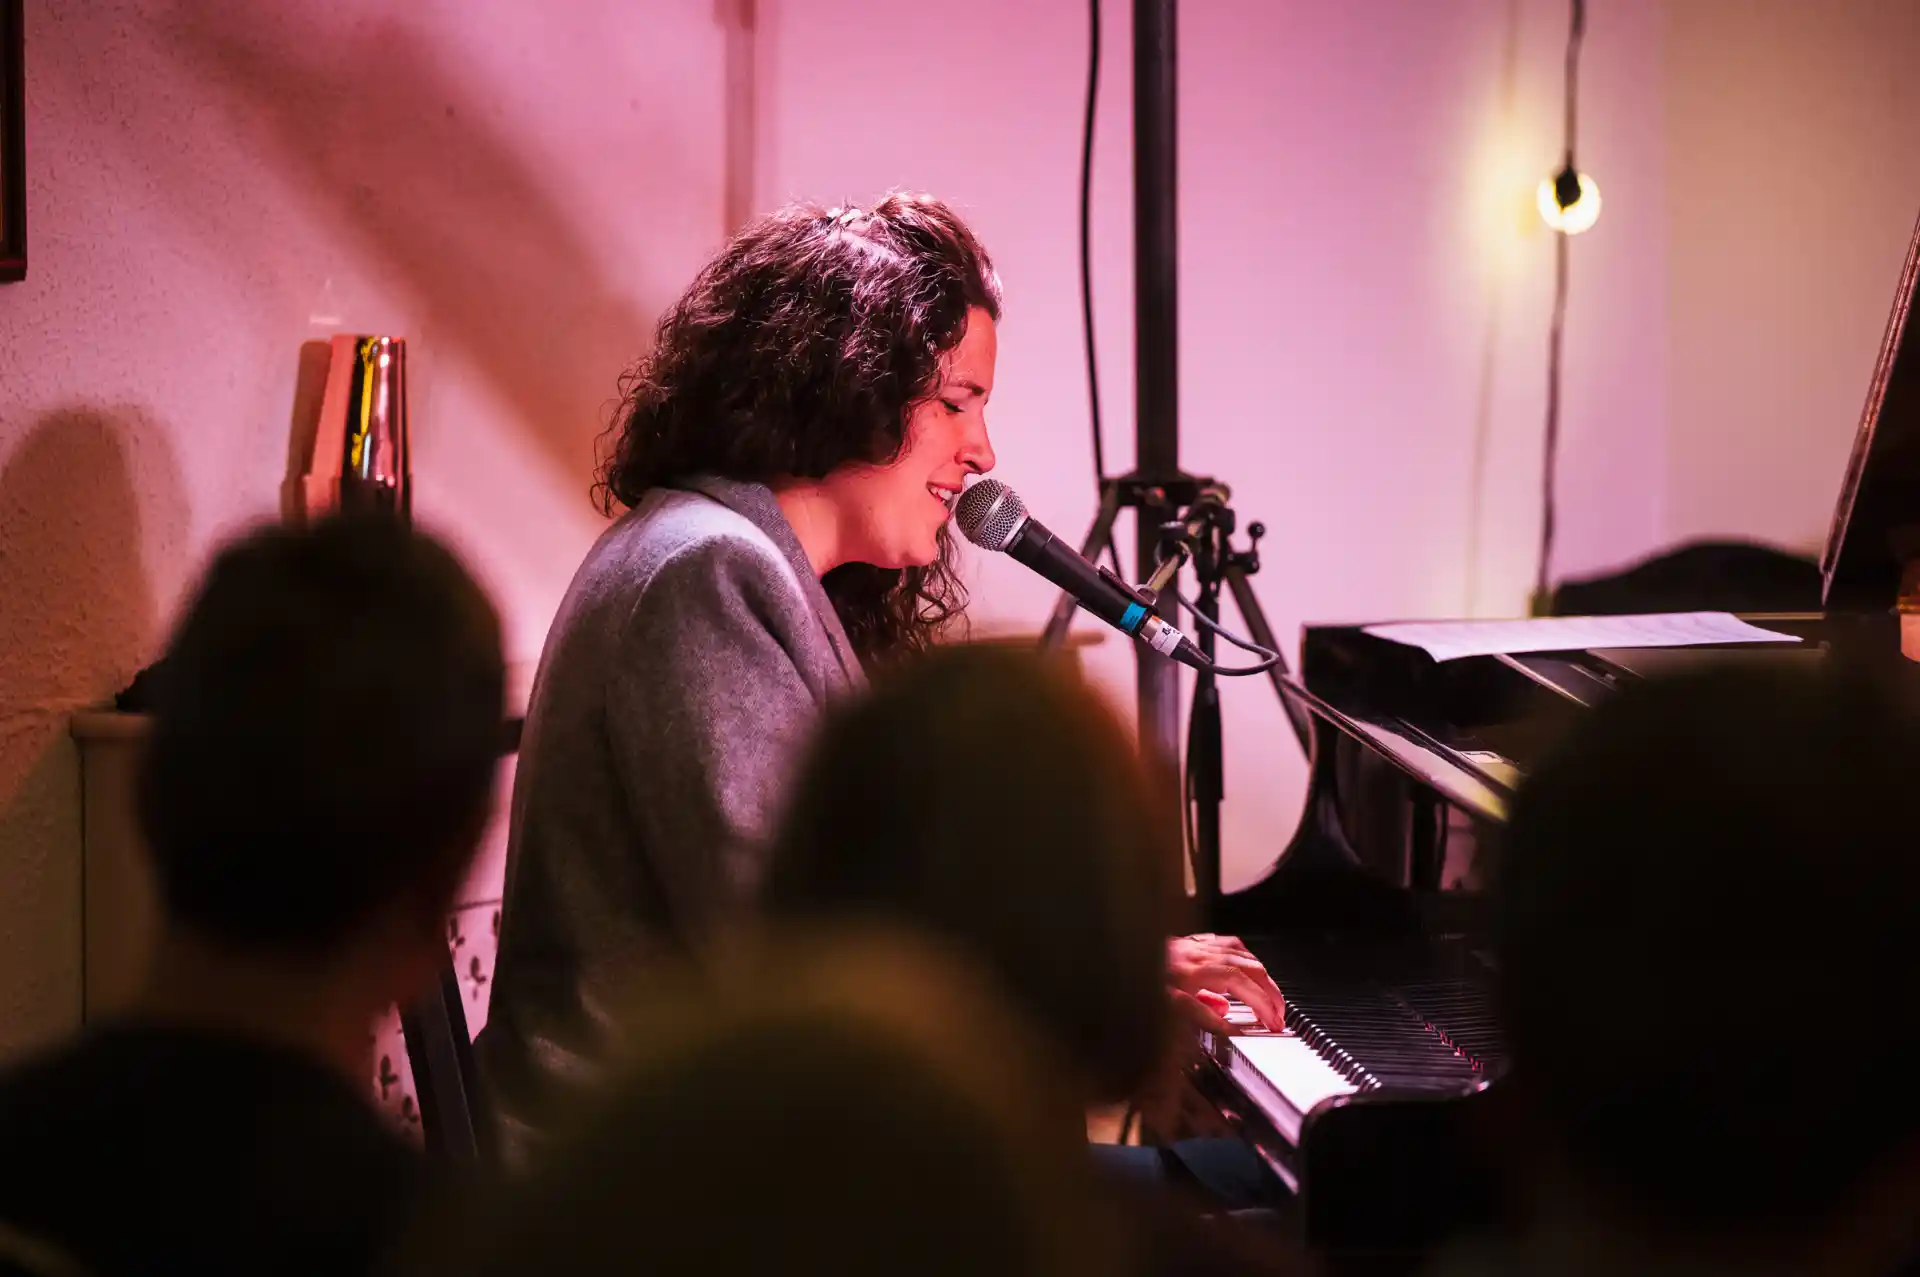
point(1576, 32)
point(1551, 447)
point(1086, 258)
point(1566, 191)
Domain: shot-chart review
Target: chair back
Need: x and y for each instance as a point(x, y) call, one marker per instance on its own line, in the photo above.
point(440, 1052)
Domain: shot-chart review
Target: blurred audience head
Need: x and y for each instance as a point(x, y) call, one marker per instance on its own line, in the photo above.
point(327, 726)
point(830, 1106)
point(1708, 926)
point(989, 798)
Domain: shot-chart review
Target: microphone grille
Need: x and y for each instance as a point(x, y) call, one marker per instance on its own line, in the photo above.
point(990, 514)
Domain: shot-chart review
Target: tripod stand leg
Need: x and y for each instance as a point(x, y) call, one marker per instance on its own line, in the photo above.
point(1260, 632)
point(1098, 538)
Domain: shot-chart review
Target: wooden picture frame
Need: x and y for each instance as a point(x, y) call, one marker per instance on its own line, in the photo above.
point(13, 144)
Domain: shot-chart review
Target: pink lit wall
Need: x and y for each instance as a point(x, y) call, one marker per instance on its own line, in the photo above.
point(1793, 188)
point(518, 189)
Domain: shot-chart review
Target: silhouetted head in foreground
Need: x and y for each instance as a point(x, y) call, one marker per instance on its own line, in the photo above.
point(326, 732)
point(989, 798)
point(829, 1107)
point(1708, 924)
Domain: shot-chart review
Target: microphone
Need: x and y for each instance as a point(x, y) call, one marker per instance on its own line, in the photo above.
point(992, 516)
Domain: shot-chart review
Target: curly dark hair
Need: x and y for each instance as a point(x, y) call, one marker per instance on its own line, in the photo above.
point(803, 347)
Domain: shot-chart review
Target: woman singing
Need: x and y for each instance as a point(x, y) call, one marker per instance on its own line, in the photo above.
point(787, 454)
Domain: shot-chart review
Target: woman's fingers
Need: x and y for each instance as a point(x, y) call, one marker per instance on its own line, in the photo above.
point(1225, 964)
point(1193, 1009)
point(1259, 993)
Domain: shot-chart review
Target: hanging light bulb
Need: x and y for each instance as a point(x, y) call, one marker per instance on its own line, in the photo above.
point(1569, 202)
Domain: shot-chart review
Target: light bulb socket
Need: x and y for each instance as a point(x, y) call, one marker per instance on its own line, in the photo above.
point(1566, 187)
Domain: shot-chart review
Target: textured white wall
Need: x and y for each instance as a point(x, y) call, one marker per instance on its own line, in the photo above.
point(516, 189)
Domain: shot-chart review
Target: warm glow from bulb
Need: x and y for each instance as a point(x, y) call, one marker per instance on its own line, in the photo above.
point(1575, 217)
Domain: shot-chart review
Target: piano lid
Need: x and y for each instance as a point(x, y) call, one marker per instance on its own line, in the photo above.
point(1876, 523)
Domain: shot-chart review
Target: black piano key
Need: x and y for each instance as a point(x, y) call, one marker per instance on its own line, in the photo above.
point(1413, 1016)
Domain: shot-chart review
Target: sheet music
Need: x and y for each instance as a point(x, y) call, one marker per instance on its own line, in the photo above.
point(1450, 640)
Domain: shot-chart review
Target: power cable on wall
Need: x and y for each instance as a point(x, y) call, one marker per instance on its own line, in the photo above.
point(1569, 202)
point(1086, 259)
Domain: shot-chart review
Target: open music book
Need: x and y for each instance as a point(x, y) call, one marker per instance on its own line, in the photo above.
point(1450, 640)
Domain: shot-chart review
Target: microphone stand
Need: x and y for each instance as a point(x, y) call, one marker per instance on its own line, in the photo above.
point(1202, 536)
point(1158, 489)
point(1206, 782)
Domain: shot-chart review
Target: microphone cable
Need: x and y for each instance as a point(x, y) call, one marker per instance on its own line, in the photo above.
point(1268, 657)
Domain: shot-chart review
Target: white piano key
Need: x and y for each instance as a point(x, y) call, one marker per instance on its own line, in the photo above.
point(1240, 1014)
point(1284, 1076)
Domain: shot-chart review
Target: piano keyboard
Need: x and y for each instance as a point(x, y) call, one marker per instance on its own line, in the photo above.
point(1284, 1076)
point(1358, 1032)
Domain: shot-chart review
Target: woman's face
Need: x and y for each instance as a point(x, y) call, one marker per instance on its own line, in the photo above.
point(892, 514)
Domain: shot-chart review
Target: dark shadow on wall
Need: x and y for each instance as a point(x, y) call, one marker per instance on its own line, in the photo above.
point(87, 498)
point(366, 120)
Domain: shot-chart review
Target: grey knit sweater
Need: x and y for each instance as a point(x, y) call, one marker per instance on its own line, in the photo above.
point(690, 658)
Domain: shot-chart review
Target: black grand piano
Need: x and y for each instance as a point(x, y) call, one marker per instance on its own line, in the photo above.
point(1372, 918)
